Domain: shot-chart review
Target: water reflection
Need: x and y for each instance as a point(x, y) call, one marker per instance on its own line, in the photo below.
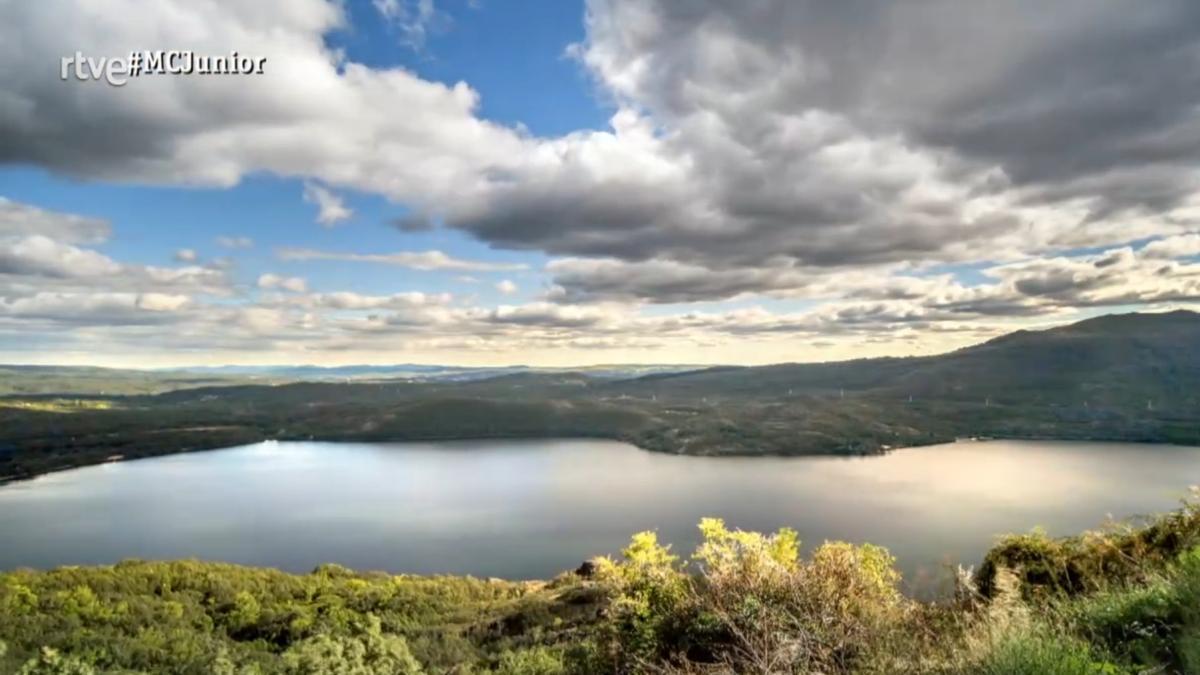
point(524, 509)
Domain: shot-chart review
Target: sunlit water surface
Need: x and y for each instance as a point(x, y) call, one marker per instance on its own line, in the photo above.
point(530, 509)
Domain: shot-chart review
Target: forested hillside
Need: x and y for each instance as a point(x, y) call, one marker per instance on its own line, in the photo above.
point(1132, 377)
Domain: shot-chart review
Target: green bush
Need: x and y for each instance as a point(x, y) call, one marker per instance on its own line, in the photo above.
point(369, 653)
point(50, 662)
point(536, 661)
point(1033, 654)
point(1141, 623)
point(1148, 624)
point(648, 613)
point(751, 605)
point(1093, 561)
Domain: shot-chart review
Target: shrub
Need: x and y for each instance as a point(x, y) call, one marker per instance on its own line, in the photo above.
point(647, 616)
point(1028, 653)
point(50, 662)
point(752, 604)
point(1148, 624)
point(1139, 622)
point(1095, 560)
point(368, 653)
point(537, 661)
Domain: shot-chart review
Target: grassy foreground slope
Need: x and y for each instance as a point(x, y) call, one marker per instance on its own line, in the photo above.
point(1121, 601)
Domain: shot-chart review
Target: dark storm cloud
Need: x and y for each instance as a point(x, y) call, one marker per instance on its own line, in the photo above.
point(1092, 87)
point(864, 133)
point(754, 143)
point(1048, 93)
point(582, 280)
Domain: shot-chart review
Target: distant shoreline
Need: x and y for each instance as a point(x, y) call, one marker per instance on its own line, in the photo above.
point(732, 454)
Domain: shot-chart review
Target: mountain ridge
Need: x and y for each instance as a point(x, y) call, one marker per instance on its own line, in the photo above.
point(1132, 378)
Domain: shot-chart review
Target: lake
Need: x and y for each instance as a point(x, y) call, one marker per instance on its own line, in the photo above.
point(531, 509)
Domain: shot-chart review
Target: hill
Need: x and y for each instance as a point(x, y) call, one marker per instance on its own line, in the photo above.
point(1133, 377)
point(1109, 359)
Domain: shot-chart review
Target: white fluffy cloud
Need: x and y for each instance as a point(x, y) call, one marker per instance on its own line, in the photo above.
point(413, 19)
point(311, 115)
point(270, 281)
point(346, 300)
point(17, 220)
point(103, 309)
point(331, 210)
point(38, 255)
point(49, 277)
point(1179, 246)
point(417, 260)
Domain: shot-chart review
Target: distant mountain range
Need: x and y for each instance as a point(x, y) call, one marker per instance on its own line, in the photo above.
point(18, 380)
point(414, 371)
point(1132, 377)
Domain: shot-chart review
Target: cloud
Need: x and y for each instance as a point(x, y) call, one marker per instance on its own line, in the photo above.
point(225, 241)
point(546, 315)
point(791, 135)
point(186, 255)
point(330, 208)
point(38, 255)
point(666, 281)
point(417, 260)
point(17, 219)
point(1179, 246)
point(1041, 286)
point(866, 158)
point(100, 309)
point(312, 114)
point(506, 287)
point(346, 300)
point(1113, 278)
point(774, 133)
point(55, 268)
point(1078, 98)
point(171, 308)
point(273, 281)
point(414, 19)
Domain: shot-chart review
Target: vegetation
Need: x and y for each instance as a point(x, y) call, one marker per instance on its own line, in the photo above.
point(59, 405)
point(1106, 603)
point(192, 617)
point(1128, 378)
point(100, 382)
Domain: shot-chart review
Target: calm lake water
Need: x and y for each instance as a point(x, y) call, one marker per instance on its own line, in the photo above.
point(530, 509)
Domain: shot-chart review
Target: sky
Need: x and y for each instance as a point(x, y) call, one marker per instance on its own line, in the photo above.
point(559, 182)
